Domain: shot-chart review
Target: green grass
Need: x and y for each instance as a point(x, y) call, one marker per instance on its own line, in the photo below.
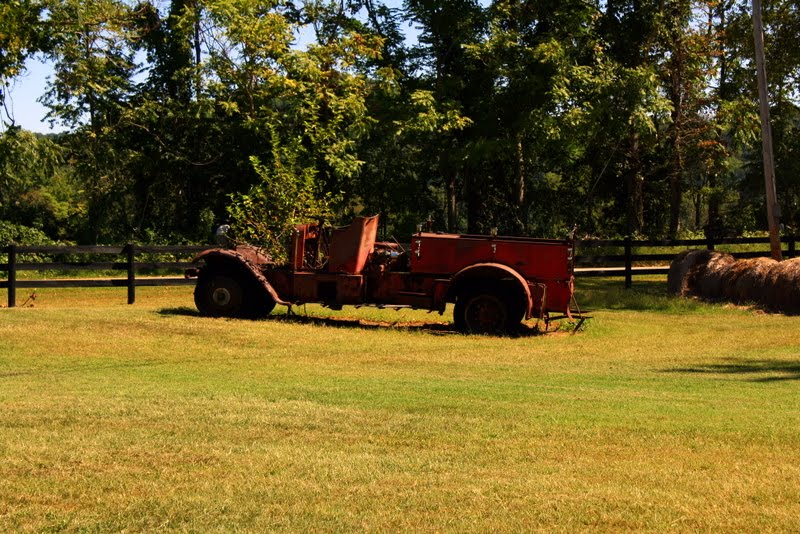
point(660, 415)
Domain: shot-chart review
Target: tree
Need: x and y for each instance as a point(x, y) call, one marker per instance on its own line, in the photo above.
point(308, 106)
point(455, 80)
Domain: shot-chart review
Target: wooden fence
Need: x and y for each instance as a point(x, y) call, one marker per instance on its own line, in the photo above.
point(628, 263)
point(593, 259)
point(129, 266)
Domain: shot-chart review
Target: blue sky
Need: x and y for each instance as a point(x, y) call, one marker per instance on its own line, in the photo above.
point(23, 94)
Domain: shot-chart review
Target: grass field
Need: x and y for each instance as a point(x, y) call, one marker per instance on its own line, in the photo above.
point(659, 415)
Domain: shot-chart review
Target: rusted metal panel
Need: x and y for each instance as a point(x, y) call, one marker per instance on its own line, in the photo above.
point(537, 261)
point(352, 245)
point(405, 289)
point(249, 258)
point(533, 258)
point(350, 289)
point(304, 287)
point(327, 287)
point(249, 254)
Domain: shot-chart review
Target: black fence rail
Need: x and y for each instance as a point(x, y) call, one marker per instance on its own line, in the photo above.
point(610, 258)
point(630, 262)
point(127, 264)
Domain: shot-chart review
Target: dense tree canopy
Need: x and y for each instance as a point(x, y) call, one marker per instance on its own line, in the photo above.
point(623, 117)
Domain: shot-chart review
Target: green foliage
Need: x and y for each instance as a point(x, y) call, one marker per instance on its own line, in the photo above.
point(286, 195)
point(307, 106)
point(37, 189)
point(94, 52)
point(22, 235)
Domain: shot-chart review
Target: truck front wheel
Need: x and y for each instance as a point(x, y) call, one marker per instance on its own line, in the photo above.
point(483, 313)
point(219, 296)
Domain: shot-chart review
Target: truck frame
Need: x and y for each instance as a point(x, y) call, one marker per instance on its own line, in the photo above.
point(494, 282)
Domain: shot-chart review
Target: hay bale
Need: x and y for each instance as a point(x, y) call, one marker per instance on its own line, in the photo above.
point(676, 277)
point(715, 275)
point(685, 269)
point(782, 287)
point(729, 279)
point(748, 280)
point(791, 269)
point(709, 278)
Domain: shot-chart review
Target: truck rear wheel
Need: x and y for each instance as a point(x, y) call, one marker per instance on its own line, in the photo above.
point(484, 312)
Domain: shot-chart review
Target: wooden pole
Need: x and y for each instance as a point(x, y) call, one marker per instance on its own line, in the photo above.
point(131, 253)
point(773, 210)
point(628, 263)
point(12, 275)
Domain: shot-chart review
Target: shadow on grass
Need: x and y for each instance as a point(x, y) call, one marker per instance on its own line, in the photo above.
point(363, 324)
point(182, 310)
point(751, 370)
point(524, 330)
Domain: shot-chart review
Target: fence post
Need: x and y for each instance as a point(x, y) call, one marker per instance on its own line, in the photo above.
point(131, 274)
point(628, 263)
point(12, 275)
point(710, 242)
point(791, 252)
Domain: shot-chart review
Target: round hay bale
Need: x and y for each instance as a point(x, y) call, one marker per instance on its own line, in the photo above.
point(792, 270)
point(709, 279)
point(749, 283)
point(680, 279)
point(676, 277)
point(772, 291)
point(729, 279)
point(782, 287)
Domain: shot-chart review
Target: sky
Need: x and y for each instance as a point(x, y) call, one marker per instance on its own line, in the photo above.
point(23, 95)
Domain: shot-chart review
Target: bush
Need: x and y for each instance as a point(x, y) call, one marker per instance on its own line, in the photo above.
point(22, 235)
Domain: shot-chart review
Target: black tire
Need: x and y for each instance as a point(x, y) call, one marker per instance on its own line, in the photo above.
point(217, 295)
point(517, 306)
point(223, 295)
point(483, 312)
point(257, 303)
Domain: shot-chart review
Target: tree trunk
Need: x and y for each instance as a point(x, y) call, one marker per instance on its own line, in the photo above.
point(675, 185)
point(634, 184)
point(677, 75)
point(714, 198)
point(518, 224)
point(474, 201)
point(452, 207)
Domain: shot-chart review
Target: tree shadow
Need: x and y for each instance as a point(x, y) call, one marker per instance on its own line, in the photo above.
point(777, 370)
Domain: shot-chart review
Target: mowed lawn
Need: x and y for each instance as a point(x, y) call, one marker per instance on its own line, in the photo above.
point(659, 415)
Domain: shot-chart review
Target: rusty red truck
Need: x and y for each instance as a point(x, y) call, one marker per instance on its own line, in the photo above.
point(494, 282)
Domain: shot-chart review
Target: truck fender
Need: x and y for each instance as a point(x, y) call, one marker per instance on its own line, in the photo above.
point(243, 259)
point(491, 271)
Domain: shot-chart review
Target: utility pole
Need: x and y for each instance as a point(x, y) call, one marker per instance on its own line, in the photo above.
point(773, 210)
